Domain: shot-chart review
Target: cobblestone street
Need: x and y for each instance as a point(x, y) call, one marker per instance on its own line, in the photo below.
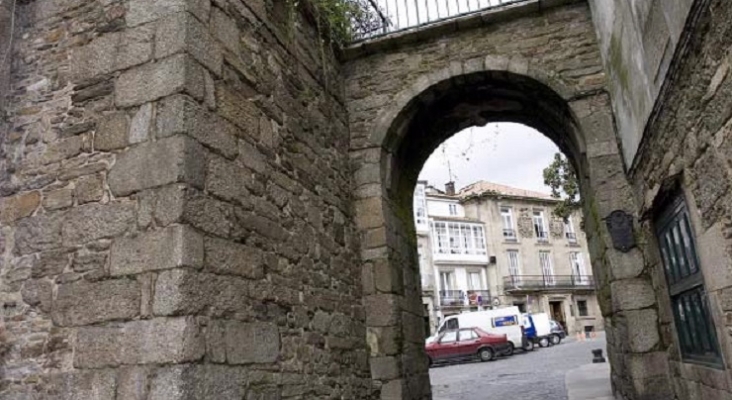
point(537, 375)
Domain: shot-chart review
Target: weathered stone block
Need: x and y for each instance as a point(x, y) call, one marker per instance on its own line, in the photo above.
point(19, 206)
point(194, 382)
point(155, 341)
point(181, 32)
point(182, 291)
point(82, 385)
point(227, 180)
point(384, 368)
point(251, 342)
point(642, 330)
point(84, 303)
point(164, 205)
point(58, 199)
point(208, 214)
point(173, 247)
point(89, 188)
point(96, 58)
point(180, 114)
point(151, 164)
point(111, 52)
point(632, 294)
point(96, 221)
point(141, 124)
point(382, 310)
point(225, 30)
point(230, 258)
point(133, 383)
point(179, 73)
point(238, 109)
point(143, 11)
point(38, 233)
point(112, 132)
point(38, 292)
point(50, 263)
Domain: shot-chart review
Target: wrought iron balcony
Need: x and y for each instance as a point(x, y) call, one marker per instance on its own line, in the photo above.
point(452, 298)
point(459, 298)
point(542, 236)
point(529, 283)
point(509, 235)
point(571, 236)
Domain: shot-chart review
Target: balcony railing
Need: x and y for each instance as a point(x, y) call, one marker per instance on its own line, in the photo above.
point(509, 235)
point(452, 298)
point(373, 18)
point(459, 298)
point(547, 282)
point(542, 236)
point(571, 236)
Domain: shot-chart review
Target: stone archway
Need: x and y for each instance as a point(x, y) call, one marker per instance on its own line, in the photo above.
point(388, 149)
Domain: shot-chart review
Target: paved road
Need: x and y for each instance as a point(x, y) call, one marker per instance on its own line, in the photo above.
point(537, 375)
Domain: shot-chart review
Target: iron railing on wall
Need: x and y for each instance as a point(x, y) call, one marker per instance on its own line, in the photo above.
point(381, 17)
point(548, 282)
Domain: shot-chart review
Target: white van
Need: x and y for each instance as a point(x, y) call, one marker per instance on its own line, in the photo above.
point(506, 321)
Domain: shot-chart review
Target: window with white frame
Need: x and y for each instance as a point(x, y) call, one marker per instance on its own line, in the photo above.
point(439, 237)
point(514, 269)
point(455, 243)
point(475, 281)
point(569, 232)
point(578, 267)
point(547, 269)
point(453, 209)
point(507, 217)
point(458, 238)
point(420, 206)
point(447, 280)
point(539, 227)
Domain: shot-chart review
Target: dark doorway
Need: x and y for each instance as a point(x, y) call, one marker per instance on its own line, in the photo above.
point(557, 312)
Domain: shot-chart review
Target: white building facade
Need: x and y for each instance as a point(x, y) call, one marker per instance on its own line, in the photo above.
point(492, 246)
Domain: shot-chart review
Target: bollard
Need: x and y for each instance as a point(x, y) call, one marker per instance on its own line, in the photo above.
point(597, 356)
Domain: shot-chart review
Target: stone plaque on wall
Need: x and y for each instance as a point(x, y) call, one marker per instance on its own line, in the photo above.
point(525, 224)
point(557, 228)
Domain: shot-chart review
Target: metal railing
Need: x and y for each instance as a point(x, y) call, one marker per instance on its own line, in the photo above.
point(452, 298)
point(380, 17)
point(542, 236)
point(571, 236)
point(548, 282)
point(459, 298)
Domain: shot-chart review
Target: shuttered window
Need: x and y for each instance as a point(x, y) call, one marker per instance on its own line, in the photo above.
point(694, 325)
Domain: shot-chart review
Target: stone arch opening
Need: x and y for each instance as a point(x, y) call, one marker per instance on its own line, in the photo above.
point(406, 131)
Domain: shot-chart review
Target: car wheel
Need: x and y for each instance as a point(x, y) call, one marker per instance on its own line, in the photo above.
point(529, 346)
point(509, 351)
point(485, 354)
point(556, 339)
point(544, 342)
point(430, 362)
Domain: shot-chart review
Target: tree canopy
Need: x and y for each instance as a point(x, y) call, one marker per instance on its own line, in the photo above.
point(562, 180)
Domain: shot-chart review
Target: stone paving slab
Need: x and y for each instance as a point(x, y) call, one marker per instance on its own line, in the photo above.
point(589, 382)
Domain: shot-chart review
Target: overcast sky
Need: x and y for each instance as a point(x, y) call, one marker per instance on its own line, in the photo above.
point(505, 153)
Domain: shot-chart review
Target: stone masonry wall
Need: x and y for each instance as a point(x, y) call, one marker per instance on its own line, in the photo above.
point(176, 218)
point(690, 135)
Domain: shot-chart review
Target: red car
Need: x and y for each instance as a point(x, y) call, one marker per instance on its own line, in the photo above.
point(468, 343)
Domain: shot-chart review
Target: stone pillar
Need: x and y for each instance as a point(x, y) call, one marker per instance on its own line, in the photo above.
point(625, 283)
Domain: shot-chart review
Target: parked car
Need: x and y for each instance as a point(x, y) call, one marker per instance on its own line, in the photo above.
point(499, 321)
point(558, 332)
point(467, 343)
